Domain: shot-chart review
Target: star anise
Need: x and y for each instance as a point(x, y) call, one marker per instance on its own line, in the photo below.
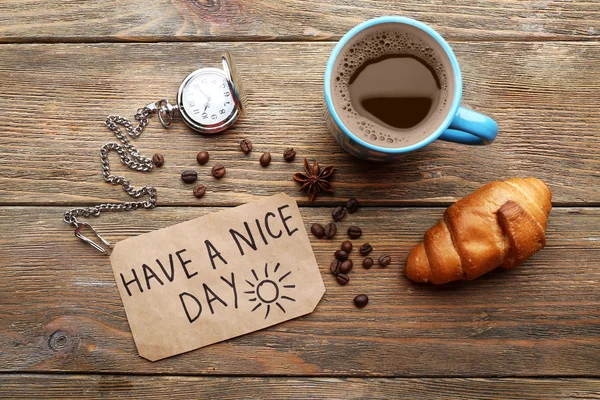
point(314, 179)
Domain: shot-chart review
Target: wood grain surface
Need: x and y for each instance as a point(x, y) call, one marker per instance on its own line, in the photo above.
point(159, 387)
point(61, 311)
point(531, 332)
point(544, 95)
point(237, 20)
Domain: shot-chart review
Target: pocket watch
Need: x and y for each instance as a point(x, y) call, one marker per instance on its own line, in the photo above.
point(209, 101)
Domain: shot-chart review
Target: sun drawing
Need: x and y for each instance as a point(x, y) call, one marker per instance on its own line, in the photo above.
point(269, 291)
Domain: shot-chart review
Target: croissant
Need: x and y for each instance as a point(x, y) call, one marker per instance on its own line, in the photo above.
point(501, 224)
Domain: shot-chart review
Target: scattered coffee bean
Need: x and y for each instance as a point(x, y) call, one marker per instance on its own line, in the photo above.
point(347, 246)
point(341, 255)
point(199, 191)
point(361, 300)
point(218, 171)
point(158, 160)
point(317, 230)
point(246, 146)
point(354, 232)
point(334, 267)
point(265, 159)
point(352, 205)
point(346, 266)
point(189, 176)
point(330, 230)
point(289, 155)
point(367, 263)
point(202, 157)
point(385, 260)
point(365, 249)
point(342, 279)
point(338, 213)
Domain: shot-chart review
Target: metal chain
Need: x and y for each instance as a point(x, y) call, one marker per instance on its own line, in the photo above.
point(130, 157)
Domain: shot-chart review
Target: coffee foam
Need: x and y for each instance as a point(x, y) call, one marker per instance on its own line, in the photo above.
point(375, 42)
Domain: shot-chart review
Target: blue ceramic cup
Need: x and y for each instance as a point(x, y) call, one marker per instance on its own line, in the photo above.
point(460, 125)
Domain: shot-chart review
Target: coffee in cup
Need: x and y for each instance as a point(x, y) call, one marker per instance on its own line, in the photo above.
point(390, 85)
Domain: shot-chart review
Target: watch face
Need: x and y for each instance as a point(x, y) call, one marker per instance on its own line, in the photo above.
point(206, 99)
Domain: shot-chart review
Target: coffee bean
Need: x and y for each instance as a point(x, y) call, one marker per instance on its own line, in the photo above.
point(367, 263)
point(361, 300)
point(218, 171)
point(354, 232)
point(352, 205)
point(317, 230)
point(289, 155)
point(342, 279)
point(246, 146)
point(334, 267)
point(341, 255)
point(330, 230)
point(158, 160)
point(338, 213)
point(202, 157)
point(347, 246)
point(365, 249)
point(265, 159)
point(189, 176)
point(385, 260)
point(346, 266)
point(199, 191)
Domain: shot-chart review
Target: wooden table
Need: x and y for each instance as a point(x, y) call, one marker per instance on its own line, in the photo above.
point(532, 332)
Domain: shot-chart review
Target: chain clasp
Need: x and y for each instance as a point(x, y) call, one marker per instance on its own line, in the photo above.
point(79, 227)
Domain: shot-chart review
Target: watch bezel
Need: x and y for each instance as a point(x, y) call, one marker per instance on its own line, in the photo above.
point(208, 128)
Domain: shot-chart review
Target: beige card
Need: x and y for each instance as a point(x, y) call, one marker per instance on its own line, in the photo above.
point(217, 277)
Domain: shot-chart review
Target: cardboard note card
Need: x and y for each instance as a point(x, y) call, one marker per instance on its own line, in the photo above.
point(216, 277)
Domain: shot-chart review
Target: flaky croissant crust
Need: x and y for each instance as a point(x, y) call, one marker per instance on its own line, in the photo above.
point(501, 224)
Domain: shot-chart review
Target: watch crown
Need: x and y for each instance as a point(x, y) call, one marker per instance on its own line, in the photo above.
point(166, 111)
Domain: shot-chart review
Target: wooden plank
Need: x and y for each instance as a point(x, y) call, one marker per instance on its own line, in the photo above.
point(28, 386)
point(56, 97)
point(61, 310)
point(161, 20)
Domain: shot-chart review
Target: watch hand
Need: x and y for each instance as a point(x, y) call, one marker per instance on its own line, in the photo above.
point(204, 94)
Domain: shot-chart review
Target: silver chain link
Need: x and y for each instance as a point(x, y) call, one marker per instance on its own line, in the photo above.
point(130, 157)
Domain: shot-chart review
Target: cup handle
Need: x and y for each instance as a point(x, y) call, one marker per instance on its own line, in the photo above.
point(470, 127)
